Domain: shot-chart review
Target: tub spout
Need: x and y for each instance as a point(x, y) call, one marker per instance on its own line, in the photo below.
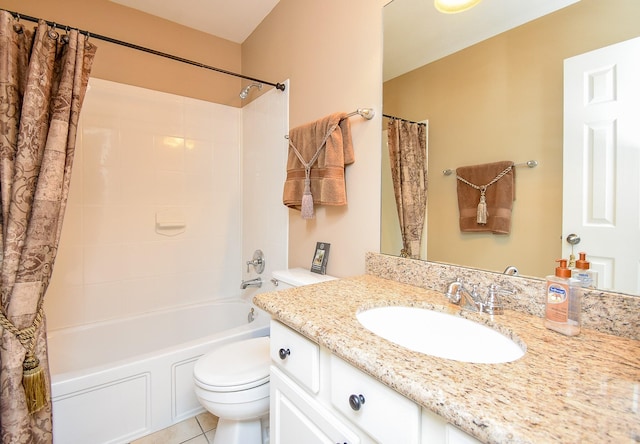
point(257, 282)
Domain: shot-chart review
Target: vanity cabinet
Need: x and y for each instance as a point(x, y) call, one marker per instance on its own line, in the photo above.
point(298, 413)
point(316, 397)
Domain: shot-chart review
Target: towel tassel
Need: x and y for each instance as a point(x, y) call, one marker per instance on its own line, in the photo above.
point(482, 213)
point(307, 198)
point(33, 381)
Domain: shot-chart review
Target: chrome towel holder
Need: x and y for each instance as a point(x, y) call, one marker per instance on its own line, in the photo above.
point(529, 163)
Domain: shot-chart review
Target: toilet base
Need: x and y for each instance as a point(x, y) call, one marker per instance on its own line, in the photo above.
point(239, 432)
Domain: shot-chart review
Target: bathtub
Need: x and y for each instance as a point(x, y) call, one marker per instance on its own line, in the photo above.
point(115, 381)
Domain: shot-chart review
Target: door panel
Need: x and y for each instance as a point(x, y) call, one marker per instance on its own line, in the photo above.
point(602, 162)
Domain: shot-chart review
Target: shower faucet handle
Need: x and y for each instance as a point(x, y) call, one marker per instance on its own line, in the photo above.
point(258, 262)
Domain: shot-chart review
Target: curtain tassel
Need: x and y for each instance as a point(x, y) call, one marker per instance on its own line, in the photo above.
point(482, 213)
point(307, 200)
point(33, 381)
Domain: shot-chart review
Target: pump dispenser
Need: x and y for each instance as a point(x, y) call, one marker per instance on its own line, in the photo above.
point(588, 278)
point(563, 297)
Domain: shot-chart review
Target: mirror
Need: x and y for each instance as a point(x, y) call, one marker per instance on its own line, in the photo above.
point(500, 99)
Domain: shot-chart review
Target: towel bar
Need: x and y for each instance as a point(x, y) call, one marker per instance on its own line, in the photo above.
point(367, 113)
point(529, 163)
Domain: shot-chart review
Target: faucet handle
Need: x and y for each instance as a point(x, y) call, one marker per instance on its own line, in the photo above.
point(257, 261)
point(493, 304)
point(474, 292)
point(504, 290)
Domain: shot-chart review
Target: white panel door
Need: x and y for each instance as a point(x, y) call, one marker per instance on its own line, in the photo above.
point(602, 162)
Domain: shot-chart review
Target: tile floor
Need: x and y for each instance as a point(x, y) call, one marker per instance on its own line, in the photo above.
point(197, 430)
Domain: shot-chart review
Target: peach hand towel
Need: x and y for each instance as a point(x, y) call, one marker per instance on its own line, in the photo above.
point(327, 184)
point(499, 197)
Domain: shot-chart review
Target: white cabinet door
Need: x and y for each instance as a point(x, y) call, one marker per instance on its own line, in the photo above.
point(297, 418)
point(296, 355)
point(384, 414)
point(457, 436)
point(435, 430)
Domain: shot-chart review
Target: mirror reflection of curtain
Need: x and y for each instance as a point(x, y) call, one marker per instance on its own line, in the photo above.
point(43, 79)
point(408, 159)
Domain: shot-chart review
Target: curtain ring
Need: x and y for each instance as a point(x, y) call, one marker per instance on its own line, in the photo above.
point(17, 26)
point(53, 34)
point(86, 40)
point(65, 37)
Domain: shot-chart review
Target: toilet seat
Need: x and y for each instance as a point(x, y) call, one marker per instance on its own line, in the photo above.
point(235, 366)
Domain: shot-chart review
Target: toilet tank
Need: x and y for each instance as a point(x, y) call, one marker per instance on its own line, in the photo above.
point(297, 277)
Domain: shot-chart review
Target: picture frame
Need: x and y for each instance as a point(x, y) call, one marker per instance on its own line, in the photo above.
point(320, 258)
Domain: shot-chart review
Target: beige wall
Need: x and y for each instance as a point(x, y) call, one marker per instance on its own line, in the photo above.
point(332, 53)
point(502, 100)
point(124, 65)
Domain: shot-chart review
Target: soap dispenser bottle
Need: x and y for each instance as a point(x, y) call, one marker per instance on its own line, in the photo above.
point(588, 278)
point(563, 301)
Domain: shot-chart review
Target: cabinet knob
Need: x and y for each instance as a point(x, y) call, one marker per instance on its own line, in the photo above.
point(356, 401)
point(284, 353)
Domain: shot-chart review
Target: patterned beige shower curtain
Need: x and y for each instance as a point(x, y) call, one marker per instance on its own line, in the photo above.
point(43, 80)
point(408, 158)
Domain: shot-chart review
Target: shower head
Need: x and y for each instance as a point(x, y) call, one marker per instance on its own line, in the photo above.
point(245, 92)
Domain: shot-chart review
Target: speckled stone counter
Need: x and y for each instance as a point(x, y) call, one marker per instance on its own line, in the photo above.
point(583, 389)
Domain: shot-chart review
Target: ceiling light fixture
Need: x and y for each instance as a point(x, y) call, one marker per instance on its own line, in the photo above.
point(454, 6)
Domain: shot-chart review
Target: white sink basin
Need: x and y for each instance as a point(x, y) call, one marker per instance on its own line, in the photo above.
point(440, 334)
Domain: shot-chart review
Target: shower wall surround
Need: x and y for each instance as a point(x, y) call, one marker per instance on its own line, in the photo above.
point(265, 220)
point(140, 153)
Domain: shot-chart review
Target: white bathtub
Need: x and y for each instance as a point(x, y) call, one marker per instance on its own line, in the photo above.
point(116, 381)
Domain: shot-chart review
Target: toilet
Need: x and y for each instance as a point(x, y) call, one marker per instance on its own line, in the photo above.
point(232, 381)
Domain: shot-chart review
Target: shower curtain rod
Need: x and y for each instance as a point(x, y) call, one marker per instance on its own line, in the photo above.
point(388, 116)
point(18, 16)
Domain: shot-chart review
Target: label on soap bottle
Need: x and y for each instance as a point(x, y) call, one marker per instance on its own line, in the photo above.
point(557, 307)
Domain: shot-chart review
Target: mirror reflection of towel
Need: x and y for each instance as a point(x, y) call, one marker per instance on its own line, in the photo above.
point(499, 197)
point(327, 173)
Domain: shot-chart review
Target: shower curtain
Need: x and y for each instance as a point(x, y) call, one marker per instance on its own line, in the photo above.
point(43, 79)
point(408, 158)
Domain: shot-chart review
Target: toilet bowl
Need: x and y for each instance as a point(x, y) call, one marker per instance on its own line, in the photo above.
point(232, 381)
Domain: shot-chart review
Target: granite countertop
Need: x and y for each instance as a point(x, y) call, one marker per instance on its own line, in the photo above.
point(581, 389)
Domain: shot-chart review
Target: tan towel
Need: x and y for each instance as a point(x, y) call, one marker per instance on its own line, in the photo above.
point(499, 197)
point(327, 173)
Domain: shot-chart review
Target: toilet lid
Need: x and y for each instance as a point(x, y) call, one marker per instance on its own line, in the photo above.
point(239, 365)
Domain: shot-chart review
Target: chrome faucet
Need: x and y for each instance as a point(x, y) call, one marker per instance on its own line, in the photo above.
point(511, 270)
point(458, 294)
point(257, 282)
